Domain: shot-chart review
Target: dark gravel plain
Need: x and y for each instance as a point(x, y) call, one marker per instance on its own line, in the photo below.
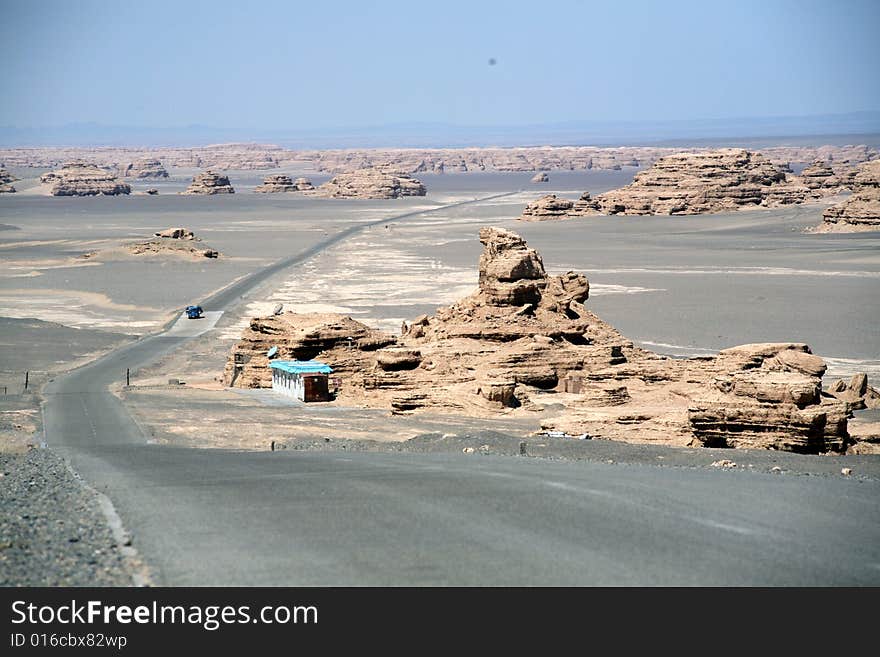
point(52, 531)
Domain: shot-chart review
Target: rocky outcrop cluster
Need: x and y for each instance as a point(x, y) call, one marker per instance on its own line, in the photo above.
point(372, 184)
point(700, 183)
point(856, 392)
point(6, 180)
point(171, 247)
point(147, 168)
point(230, 157)
point(209, 182)
point(770, 398)
point(861, 211)
point(821, 179)
point(80, 178)
point(540, 177)
point(552, 207)
point(283, 183)
point(524, 335)
point(694, 183)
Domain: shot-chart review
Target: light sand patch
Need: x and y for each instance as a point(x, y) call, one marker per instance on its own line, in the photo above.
point(78, 309)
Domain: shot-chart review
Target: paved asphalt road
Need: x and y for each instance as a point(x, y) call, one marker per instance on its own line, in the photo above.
point(212, 517)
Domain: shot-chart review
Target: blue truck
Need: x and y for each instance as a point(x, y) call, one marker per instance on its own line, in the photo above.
point(194, 312)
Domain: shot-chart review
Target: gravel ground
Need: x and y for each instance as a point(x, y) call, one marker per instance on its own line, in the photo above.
point(860, 466)
point(52, 531)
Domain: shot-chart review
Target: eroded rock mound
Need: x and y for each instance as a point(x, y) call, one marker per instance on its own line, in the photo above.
point(80, 178)
point(6, 180)
point(861, 211)
point(540, 177)
point(707, 182)
point(209, 182)
point(371, 183)
point(856, 392)
point(552, 207)
point(283, 183)
point(524, 337)
point(770, 399)
point(147, 168)
point(821, 179)
point(172, 247)
point(173, 242)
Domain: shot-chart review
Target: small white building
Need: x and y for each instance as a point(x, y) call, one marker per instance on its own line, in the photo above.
point(306, 380)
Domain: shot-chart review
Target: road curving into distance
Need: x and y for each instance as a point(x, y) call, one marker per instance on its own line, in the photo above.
point(220, 517)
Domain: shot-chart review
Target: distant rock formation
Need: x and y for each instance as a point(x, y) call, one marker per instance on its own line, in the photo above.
point(209, 182)
point(861, 211)
point(225, 157)
point(6, 180)
point(173, 241)
point(372, 184)
point(821, 179)
point(707, 182)
point(80, 178)
point(856, 392)
point(551, 207)
point(171, 247)
point(541, 177)
point(147, 168)
point(283, 183)
point(524, 332)
point(176, 234)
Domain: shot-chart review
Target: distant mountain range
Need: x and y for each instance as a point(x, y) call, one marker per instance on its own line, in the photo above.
point(855, 127)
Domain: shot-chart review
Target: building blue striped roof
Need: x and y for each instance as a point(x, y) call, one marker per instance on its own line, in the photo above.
point(301, 366)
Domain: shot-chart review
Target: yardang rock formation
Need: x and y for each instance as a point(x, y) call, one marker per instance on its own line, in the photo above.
point(283, 183)
point(6, 180)
point(80, 178)
point(861, 211)
point(524, 338)
point(147, 168)
point(690, 183)
point(371, 184)
point(209, 182)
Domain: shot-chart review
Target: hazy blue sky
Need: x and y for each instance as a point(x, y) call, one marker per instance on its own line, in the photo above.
point(330, 64)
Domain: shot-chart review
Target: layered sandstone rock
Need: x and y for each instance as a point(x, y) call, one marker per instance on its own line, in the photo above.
point(821, 179)
point(524, 335)
point(6, 180)
point(856, 392)
point(371, 183)
point(209, 182)
point(861, 211)
point(552, 207)
point(283, 183)
point(707, 182)
point(772, 400)
point(80, 178)
point(147, 168)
